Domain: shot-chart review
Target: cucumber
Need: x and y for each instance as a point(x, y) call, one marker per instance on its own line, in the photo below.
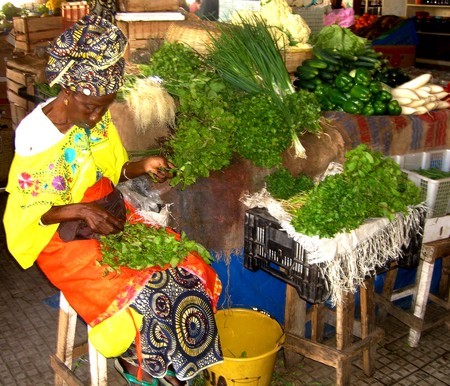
point(325, 55)
point(369, 59)
point(327, 75)
point(305, 72)
point(306, 84)
point(315, 63)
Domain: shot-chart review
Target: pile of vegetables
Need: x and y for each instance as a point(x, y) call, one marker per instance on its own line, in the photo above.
point(419, 96)
point(346, 82)
point(371, 185)
point(235, 99)
point(140, 246)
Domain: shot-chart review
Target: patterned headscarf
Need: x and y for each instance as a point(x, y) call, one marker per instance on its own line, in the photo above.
point(87, 57)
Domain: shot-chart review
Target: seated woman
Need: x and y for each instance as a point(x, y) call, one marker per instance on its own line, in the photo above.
point(159, 320)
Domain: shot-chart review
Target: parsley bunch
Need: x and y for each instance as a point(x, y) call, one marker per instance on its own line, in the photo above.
point(371, 185)
point(140, 246)
point(282, 185)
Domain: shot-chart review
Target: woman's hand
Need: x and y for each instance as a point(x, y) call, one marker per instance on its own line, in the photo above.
point(96, 217)
point(100, 220)
point(157, 166)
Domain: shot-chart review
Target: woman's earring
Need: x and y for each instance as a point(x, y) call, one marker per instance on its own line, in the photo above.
point(66, 102)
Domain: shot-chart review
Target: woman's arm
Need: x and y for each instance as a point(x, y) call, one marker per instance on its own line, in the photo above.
point(97, 218)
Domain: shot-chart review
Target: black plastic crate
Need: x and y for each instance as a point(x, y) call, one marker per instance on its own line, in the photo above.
point(270, 249)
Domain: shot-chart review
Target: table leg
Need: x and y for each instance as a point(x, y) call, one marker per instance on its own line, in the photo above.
point(424, 276)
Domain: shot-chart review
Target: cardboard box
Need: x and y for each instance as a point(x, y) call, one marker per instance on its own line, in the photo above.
point(398, 55)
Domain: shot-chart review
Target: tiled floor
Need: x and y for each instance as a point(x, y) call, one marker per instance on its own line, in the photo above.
point(28, 336)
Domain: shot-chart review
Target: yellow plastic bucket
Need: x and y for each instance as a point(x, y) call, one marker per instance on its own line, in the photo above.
point(250, 341)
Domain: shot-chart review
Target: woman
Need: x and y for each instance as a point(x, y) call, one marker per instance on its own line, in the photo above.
point(68, 158)
point(195, 6)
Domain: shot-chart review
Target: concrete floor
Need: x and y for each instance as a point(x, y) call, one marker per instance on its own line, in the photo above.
point(28, 322)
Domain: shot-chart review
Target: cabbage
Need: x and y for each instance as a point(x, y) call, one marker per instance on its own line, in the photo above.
point(341, 39)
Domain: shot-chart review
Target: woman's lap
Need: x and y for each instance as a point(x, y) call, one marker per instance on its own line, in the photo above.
point(178, 327)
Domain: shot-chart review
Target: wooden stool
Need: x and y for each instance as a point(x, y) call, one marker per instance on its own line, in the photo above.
point(420, 291)
point(61, 361)
point(341, 356)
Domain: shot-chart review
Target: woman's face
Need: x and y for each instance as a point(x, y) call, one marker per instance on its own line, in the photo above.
point(86, 111)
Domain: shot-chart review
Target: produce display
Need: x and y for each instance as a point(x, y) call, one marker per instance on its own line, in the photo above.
point(419, 96)
point(372, 27)
point(433, 173)
point(141, 246)
point(347, 82)
point(371, 185)
point(237, 99)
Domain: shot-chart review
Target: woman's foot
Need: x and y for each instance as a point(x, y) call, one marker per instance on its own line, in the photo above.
point(170, 378)
point(129, 372)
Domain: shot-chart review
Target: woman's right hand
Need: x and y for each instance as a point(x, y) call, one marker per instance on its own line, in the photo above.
point(100, 220)
point(96, 217)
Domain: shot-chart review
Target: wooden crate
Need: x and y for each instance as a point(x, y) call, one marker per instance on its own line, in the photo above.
point(17, 114)
point(73, 11)
point(140, 32)
point(148, 6)
point(31, 32)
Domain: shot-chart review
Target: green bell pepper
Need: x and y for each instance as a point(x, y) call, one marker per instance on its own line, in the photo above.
point(351, 107)
point(375, 86)
point(363, 76)
point(379, 107)
point(394, 108)
point(322, 91)
point(384, 96)
point(344, 82)
point(368, 110)
point(337, 97)
point(359, 91)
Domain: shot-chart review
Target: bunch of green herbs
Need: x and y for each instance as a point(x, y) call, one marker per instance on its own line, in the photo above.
point(203, 138)
point(247, 57)
point(282, 185)
point(140, 246)
point(371, 185)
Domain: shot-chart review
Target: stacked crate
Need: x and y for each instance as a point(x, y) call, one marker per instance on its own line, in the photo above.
point(146, 22)
point(73, 11)
point(35, 31)
point(21, 75)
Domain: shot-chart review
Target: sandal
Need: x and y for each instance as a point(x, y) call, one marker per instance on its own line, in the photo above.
point(166, 381)
point(131, 379)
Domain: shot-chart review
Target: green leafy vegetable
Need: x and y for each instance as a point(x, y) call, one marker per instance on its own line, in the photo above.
point(140, 246)
point(281, 184)
point(340, 39)
point(371, 185)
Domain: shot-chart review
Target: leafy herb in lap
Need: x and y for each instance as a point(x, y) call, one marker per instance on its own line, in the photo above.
point(140, 246)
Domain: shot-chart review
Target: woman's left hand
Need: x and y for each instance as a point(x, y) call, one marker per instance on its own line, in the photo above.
point(159, 168)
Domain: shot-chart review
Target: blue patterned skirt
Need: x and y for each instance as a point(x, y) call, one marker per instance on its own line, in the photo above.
point(178, 326)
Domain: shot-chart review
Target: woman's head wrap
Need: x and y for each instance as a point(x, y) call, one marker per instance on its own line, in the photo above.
point(88, 57)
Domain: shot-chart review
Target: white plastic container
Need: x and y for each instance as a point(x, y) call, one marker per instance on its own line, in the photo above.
point(436, 193)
